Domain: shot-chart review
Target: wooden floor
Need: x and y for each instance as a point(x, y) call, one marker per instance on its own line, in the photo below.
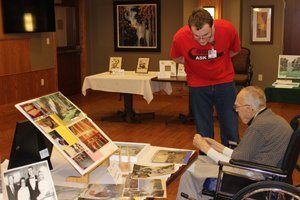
point(153, 131)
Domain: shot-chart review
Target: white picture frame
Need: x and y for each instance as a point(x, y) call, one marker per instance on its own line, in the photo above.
point(142, 65)
point(180, 70)
point(20, 175)
point(167, 66)
point(289, 66)
point(115, 63)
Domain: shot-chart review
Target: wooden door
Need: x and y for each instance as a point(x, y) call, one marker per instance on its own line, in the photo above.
point(291, 40)
point(68, 47)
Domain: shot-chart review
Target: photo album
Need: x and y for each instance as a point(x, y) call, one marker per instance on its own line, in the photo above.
point(71, 131)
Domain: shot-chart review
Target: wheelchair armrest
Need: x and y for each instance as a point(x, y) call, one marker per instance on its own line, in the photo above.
point(266, 169)
point(251, 166)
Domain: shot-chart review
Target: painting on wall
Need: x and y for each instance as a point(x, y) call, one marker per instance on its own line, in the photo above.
point(137, 25)
point(261, 24)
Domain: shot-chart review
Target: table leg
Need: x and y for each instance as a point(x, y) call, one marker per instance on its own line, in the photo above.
point(128, 115)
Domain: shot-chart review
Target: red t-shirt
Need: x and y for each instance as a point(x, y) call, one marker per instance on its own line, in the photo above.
point(202, 71)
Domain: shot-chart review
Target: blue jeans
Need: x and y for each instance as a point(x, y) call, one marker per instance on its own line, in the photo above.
point(222, 96)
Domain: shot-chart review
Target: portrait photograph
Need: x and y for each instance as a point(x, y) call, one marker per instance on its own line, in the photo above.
point(32, 181)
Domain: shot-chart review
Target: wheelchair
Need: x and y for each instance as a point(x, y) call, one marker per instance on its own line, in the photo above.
point(269, 183)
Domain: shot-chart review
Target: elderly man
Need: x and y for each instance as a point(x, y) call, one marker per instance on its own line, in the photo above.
point(264, 141)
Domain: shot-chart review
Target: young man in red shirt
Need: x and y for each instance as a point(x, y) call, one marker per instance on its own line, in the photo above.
point(205, 47)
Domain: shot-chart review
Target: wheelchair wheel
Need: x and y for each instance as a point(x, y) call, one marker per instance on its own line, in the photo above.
point(268, 190)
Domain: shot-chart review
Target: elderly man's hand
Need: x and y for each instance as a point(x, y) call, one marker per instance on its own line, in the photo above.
point(200, 143)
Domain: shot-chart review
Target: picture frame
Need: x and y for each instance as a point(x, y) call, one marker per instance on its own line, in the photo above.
point(115, 63)
point(262, 24)
point(289, 66)
point(168, 66)
point(137, 25)
point(180, 70)
point(142, 65)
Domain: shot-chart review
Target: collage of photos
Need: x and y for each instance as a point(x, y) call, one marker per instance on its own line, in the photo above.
point(28, 182)
point(80, 140)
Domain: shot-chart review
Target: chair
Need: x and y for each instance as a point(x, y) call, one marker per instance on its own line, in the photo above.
point(227, 180)
point(242, 68)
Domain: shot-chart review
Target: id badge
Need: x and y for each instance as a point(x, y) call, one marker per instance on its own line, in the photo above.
point(212, 53)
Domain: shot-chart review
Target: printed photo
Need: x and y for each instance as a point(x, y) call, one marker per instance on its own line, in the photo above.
point(140, 171)
point(62, 107)
point(47, 124)
point(176, 157)
point(28, 182)
point(289, 66)
point(83, 160)
point(102, 191)
point(32, 110)
point(115, 63)
point(89, 135)
point(59, 140)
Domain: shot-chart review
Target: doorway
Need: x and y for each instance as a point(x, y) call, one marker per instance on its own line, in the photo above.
point(68, 47)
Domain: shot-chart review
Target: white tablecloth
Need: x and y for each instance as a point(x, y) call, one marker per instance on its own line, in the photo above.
point(131, 82)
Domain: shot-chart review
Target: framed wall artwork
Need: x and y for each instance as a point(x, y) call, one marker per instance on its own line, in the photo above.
point(168, 66)
point(137, 25)
point(289, 66)
point(262, 24)
point(115, 63)
point(142, 65)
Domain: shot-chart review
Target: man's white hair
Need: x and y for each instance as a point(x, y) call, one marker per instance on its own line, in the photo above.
point(254, 96)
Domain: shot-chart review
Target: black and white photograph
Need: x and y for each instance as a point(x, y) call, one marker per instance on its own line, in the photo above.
point(169, 156)
point(29, 182)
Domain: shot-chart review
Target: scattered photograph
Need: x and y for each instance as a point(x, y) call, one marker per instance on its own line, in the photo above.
point(102, 191)
point(289, 66)
point(129, 152)
point(67, 192)
point(169, 156)
point(89, 135)
point(140, 171)
point(47, 124)
point(155, 188)
point(32, 181)
point(115, 63)
point(142, 65)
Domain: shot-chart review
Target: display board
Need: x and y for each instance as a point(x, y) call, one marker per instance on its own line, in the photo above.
point(71, 131)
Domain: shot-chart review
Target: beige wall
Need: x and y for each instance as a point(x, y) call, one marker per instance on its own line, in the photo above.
point(264, 57)
point(101, 35)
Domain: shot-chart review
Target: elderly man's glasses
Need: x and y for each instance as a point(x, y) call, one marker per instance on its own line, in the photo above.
point(235, 107)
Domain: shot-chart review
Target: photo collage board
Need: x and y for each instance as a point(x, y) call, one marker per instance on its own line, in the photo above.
point(71, 131)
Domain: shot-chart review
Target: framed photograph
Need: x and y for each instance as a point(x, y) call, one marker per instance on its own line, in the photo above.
point(142, 65)
point(168, 66)
point(137, 25)
point(115, 63)
point(40, 186)
point(180, 70)
point(289, 66)
point(262, 24)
